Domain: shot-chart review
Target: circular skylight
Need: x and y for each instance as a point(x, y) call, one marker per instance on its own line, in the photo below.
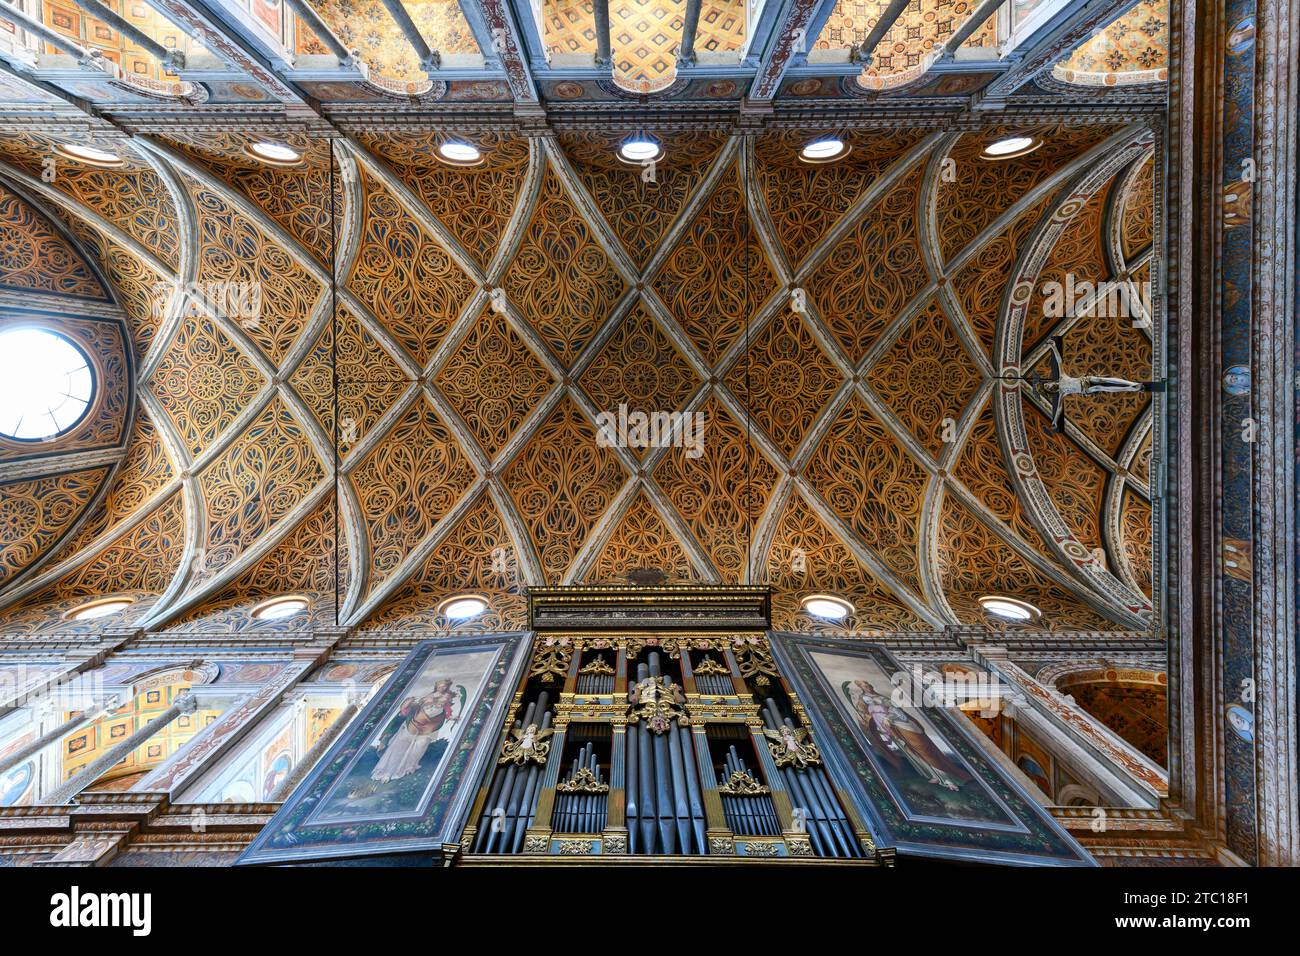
point(275, 153)
point(463, 606)
point(89, 154)
point(1009, 609)
point(640, 149)
point(827, 606)
point(824, 150)
point(279, 608)
point(460, 153)
point(46, 384)
point(1010, 147)
point(96, 609)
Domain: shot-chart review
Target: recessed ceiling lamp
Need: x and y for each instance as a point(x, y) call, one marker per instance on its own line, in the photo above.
point(827, 606)
point(640, 148)
point(89, 155)
point(456, 152)
point(826, 149)
point(277, 609)
point(100, 608)
point(1009, 609)
point(1011, 147)
point(276, 154)
point(461, 607)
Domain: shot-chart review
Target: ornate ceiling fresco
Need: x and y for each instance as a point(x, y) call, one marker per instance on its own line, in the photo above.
point(1133, 50)
point(335, 60)
point(914, 41)
point(434, 425)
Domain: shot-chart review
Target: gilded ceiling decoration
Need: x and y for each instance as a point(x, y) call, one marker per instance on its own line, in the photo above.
point(36, 513)
point(69, 20)
point(34, 257)
point(1133, 49)
point(717, 275)
point(915, 38)
point(872, 274)
point(493, 381)
point(488, 316)
point(367, 26)
point(562, 273)
point(1133, 703)
point(644, 35)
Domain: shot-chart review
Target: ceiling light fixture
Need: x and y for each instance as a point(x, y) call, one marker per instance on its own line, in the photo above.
point(826, 149)
point(1011, 147)
point(461, 607)
point(827, 606)
point(640, 148)
point(457, 152)
point(277, 609)
point(1009, 609)
point(90, 155)
point(96, 609)
point(276, 154)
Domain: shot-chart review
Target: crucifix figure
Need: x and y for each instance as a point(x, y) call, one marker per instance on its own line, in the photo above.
point(1057, 385)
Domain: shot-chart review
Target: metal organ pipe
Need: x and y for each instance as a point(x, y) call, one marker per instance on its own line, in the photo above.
point(824, 819)
point(512, 800)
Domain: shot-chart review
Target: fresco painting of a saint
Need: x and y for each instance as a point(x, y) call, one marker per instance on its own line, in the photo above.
point(392, 772)
point(923, 770)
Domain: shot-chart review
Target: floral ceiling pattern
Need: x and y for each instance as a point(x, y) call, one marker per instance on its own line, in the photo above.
point(830, 334)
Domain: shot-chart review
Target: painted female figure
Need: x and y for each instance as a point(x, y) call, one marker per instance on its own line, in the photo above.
point(422, 721)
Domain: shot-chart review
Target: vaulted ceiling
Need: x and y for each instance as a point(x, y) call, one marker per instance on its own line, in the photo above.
point(412, 411)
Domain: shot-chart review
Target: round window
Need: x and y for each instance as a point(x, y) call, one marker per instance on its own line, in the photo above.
point(46, 384)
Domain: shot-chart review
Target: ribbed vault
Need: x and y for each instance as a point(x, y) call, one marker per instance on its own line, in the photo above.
point(432, 425)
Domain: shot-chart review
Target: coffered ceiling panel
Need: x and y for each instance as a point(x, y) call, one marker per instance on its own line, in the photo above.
point(296, 197)
point(804, 200)
point(873, 484)
point(474, 203)
point(301, 564)
point(720, 492)
point(477, 554)
point(203, 381)
point(256, 482)
point(640, 204)
point(368, 379)
point(641, 541)
point(639, 367)
point(806, 557)
point(784, 380)
point(961, 207)
point(926, 378)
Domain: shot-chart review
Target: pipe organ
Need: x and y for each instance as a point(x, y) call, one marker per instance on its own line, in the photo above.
point(662, 744)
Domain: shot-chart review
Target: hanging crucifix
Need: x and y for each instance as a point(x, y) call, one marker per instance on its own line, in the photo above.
point(1056, 385)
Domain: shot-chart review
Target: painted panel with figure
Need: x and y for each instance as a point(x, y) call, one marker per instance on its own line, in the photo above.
point(399, 780)
point(921, 781)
